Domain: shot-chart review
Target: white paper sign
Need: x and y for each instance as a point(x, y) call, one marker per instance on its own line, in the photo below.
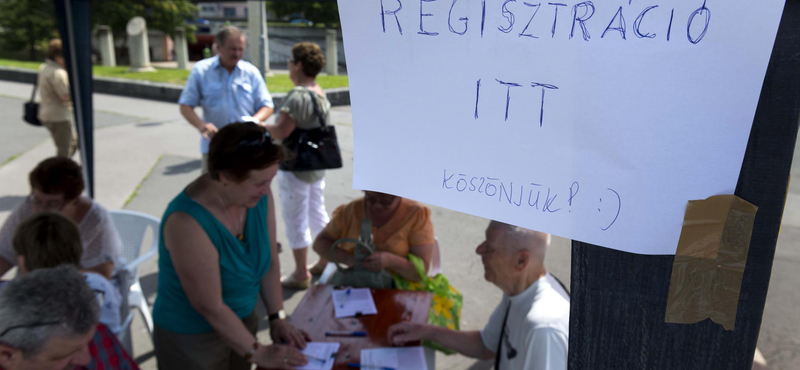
point(595, 121)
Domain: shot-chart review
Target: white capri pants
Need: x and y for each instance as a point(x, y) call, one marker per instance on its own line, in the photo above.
point(303, 208)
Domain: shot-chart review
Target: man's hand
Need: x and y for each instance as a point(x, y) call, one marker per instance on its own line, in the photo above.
point(404, 332)
point(284, 333)
point(208, 131)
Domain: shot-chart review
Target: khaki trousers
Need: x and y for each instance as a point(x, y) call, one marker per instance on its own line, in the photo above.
point(205, 351)
point(64, 137)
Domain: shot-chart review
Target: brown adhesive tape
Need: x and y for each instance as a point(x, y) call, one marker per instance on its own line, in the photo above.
point(710, 260)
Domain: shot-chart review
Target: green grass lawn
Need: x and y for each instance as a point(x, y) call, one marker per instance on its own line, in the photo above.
point(277, 83)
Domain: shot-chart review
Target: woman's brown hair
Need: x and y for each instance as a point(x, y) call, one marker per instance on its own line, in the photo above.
point(54, 49)
point(58, 175)
point(239, 148)
point(311, 56)
point(46, 240)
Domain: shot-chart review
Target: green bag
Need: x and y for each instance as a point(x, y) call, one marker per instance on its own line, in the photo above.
point(446, 304)
point(358, 276)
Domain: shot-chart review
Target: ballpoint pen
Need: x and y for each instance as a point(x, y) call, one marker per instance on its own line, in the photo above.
point(346, 294)
point(345, 333)
point(359, 366)
point(317, 358)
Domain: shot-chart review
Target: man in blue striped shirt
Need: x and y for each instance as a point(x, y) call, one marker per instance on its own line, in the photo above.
point(228, 89)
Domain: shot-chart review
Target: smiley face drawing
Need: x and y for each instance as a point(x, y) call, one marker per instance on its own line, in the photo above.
point(613, 205)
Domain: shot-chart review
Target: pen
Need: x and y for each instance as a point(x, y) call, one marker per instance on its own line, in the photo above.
point(345, 334)
point(317, 358)
point(346, 294)
point(359, 366)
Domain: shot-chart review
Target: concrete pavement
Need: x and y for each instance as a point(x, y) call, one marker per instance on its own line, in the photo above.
point(151, 152)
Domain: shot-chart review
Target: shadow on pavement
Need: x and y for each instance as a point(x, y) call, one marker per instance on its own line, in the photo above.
point(149, 124)
point(186, 167)
point(10, 202)
point(145, 357)
point(149, 285)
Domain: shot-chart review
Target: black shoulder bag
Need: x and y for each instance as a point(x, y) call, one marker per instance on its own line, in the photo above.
point(315, 149)
point(32, 107)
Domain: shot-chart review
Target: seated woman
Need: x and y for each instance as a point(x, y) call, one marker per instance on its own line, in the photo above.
point(216, 253)
point(399, 227)
point(56, 185)
point(47, 240)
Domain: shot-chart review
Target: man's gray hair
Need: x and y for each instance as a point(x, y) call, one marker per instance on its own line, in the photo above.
point(227, 31)
point(58, 295)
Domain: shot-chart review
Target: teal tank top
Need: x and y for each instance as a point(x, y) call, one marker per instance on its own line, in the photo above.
point(242, 264)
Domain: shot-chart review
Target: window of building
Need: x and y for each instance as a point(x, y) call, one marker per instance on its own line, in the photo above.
point(229, 12)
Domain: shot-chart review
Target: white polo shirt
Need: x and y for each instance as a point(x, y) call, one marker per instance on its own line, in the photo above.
point(537, 328)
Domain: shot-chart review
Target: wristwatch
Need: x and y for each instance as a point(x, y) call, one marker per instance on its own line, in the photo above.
point(280, 315)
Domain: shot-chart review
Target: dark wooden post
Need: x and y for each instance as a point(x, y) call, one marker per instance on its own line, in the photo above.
point(619, 299)
point(74, 26)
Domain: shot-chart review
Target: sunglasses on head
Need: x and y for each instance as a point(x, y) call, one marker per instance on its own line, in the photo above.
point(28, 326)
point(266, 138)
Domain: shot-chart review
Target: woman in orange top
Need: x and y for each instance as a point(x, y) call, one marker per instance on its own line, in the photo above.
point(399, 227)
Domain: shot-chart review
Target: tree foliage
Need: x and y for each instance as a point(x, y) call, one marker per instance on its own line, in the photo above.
point(26, 24)
point(326, 13)
point(161, 15)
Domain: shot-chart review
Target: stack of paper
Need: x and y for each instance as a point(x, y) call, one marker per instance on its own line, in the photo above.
point(320, 355)
point(398, 358)
point(353, 301)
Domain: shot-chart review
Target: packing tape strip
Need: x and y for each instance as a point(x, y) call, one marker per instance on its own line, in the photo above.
point(710, 261)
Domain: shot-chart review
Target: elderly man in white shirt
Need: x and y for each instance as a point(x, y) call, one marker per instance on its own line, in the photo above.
point(529, 329)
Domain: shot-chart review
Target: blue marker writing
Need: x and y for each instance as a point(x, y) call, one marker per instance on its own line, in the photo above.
point(344, 300)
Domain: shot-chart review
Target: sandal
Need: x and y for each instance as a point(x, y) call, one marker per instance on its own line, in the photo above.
point(290, 282)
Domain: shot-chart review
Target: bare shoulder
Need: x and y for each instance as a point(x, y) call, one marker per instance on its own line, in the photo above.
point(181, 230)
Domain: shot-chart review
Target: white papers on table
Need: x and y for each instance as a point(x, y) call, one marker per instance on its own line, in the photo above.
point(352, 301)
point(315, 351)
point(398, 358)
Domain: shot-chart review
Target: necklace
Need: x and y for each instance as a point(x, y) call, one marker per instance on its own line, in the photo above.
point(240, 236)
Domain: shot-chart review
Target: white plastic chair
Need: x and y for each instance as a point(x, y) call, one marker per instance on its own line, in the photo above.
point(132, 227)
point(436, 260)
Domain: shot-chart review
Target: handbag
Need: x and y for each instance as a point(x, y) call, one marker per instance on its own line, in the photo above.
point(315, 149)
point(358, 276)
point(31, 108)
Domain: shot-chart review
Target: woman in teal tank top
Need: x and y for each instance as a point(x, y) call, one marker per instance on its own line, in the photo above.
point(216, 256)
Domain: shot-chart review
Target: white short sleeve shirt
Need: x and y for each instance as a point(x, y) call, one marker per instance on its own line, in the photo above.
point(537, 329)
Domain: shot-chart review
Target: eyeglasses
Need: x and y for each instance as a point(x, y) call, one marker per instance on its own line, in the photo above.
point(266, 138)
point(50, 204)
point(29, 326)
